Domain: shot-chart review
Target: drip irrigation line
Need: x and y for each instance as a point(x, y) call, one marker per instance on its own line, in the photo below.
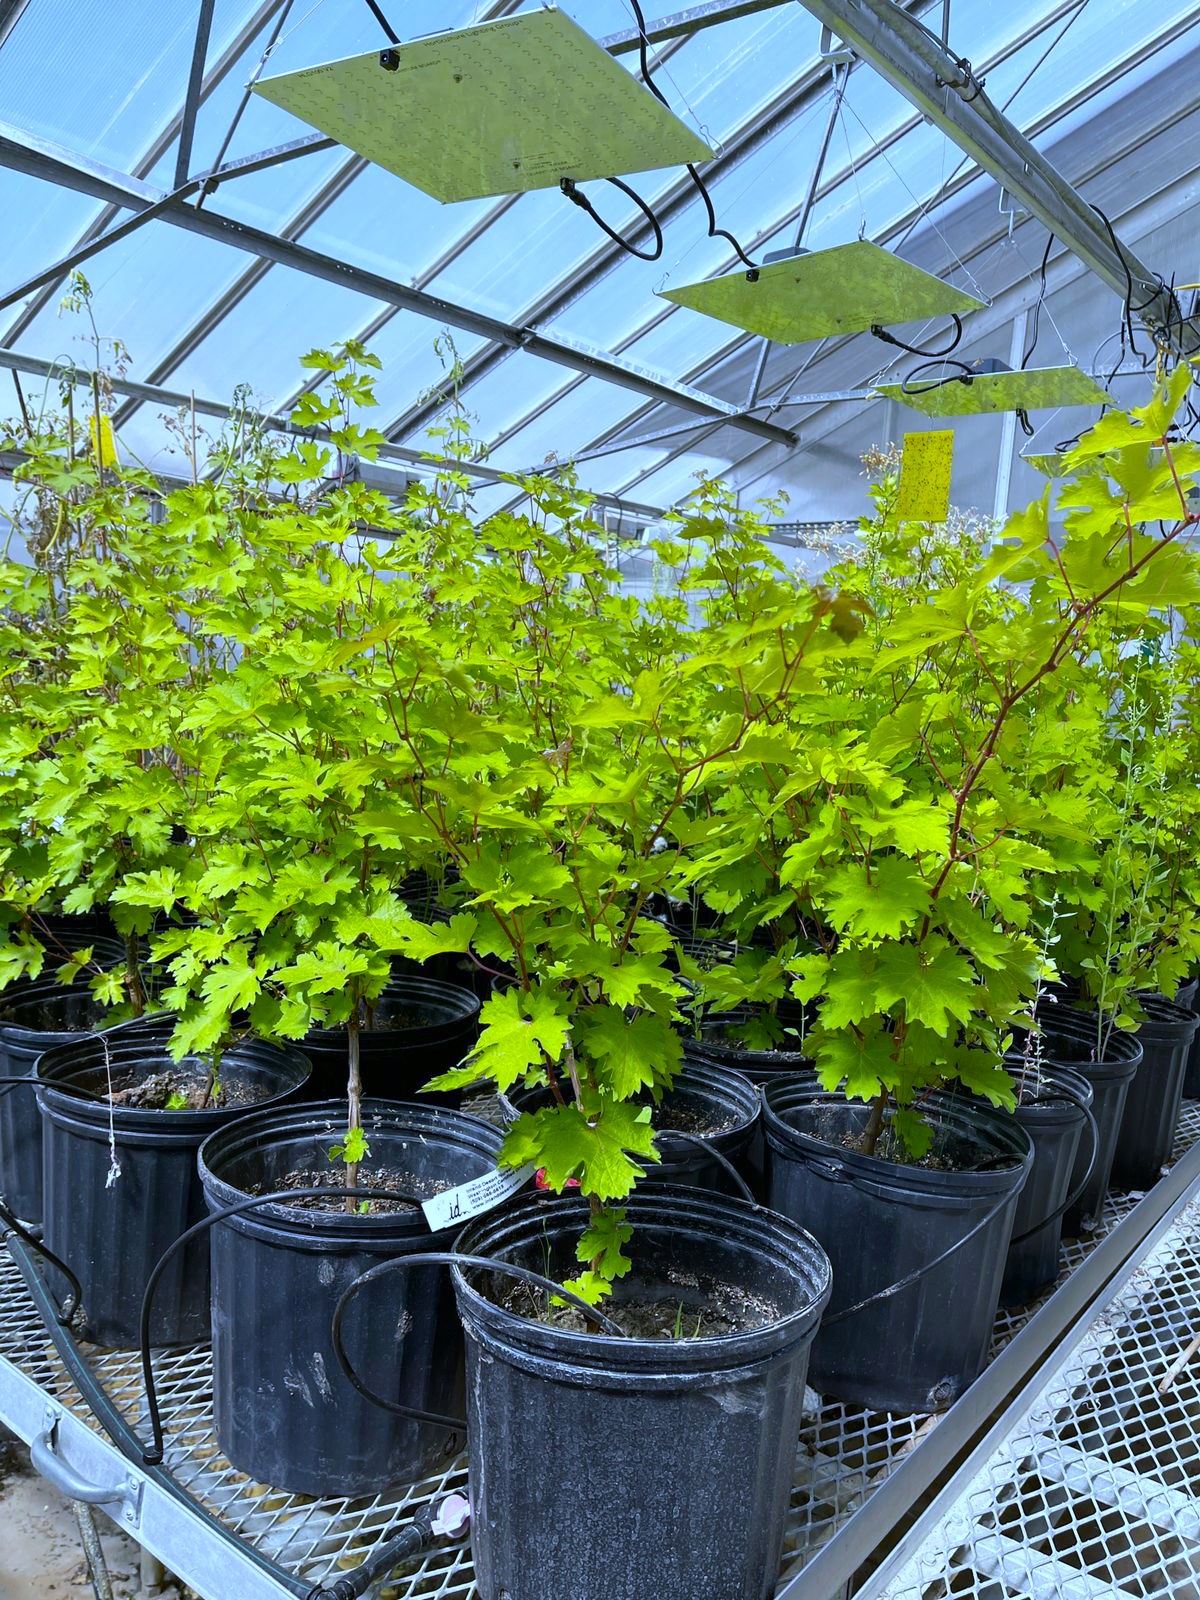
point(444, 1258)
point(710, 1149)
point(73, 1301)
point(152, 1454)
point(919, 1272)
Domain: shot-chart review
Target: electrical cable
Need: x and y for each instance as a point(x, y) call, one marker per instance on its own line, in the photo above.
point(714, 232)
point(1037, 309)
point(577, 197)
point(963, 375)
point(879, 332)
point(376, 12)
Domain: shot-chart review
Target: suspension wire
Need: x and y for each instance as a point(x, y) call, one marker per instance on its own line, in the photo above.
point(714, 232)
point(841, 82)
point(245, 100)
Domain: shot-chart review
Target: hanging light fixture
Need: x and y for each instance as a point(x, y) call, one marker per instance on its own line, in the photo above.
point(814, 294)
point(990, 385)
point(514, 104)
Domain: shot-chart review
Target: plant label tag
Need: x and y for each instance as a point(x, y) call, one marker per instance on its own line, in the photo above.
point(472, 1199)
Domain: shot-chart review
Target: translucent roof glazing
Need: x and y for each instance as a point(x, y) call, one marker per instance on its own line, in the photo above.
point(566, 350)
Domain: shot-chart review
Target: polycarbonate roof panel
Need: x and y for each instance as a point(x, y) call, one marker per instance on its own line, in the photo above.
point(141, 288)
point(314, 314)
point(1102, 72)
point(104, 79)
point(51, 220)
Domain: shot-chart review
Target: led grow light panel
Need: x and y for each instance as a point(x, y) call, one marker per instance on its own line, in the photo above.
point(844, 290)
point(1036, 389)
point(507, 106)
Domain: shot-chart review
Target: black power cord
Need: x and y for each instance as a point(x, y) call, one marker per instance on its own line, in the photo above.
point(1037, 310)
point(577, 197)
point(377, 13)
point(713, 231)
point(916, 350)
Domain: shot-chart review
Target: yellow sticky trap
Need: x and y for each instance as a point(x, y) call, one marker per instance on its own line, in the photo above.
point(925, 477)
point(104, 442)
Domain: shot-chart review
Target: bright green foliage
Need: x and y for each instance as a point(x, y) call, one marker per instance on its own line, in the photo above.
point(242, 712)
point(1009, 723)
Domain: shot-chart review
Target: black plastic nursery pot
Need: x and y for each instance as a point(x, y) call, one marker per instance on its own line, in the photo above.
point(1072, 1039)
point(120, 1181)
point(33, 1019)
point(420, 1027)
point(1187, 996)
point(1152, 1106)
point(717, 1043)
point(607, 1468)
point(718, 1046)
point(285, 1413)
point(718, 1109)
point(919, 1344)
point(1054, 1108)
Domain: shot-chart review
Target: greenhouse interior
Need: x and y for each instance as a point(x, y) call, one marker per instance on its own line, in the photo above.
point(599, 748)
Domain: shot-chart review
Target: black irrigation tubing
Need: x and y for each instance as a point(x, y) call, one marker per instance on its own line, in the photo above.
point(1061, 1211)
point(75, 1298)
point(116, 1426)
point(920, 1272)
point(408, 1541)
point(710, 1149)
point(153, 1455)
point(444, 1258)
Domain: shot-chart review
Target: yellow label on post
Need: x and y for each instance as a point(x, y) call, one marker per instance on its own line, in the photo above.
point(104, 441)
point(925, 477)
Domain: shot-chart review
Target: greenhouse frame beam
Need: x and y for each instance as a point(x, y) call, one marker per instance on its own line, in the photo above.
point(947, 91)
point(195, 86)
point(220, 70)
point(682, 24)
point(204, 183)
point(40, 158)
point(10, 15)
point(175, 400)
